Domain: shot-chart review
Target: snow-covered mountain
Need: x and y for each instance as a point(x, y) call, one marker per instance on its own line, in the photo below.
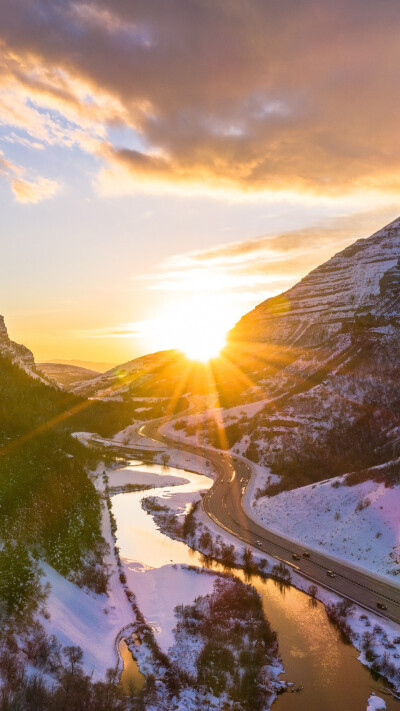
point(362, 280)
point(318, 371)
point(322, 360)
point(320, 413)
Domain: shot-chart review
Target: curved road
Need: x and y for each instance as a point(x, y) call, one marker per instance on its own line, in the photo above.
point(223, 504)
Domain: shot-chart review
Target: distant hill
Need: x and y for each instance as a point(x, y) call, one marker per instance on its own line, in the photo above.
point(97, 367)
point(66, 375)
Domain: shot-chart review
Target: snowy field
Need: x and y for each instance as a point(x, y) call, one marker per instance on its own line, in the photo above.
point(359, 523)
point(88, 620)
point(160, 590)
point(147, 474)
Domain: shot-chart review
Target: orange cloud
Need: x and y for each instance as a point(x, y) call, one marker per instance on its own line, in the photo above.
point(264, 96)
point(33, 191)
point(265, 264)
point(26, 190)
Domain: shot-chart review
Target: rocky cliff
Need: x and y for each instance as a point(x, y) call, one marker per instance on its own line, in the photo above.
point(19, 354)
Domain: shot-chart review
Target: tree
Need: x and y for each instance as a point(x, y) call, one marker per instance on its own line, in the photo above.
point(228, 555)
point(74, 656)
point(312, 590)
point(165, 458)
point(248, 560)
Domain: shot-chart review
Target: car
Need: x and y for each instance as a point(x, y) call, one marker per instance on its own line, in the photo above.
point(381, 605)
point(258, 543)
point(295, 556)
point(305, 554)
point(331, 574)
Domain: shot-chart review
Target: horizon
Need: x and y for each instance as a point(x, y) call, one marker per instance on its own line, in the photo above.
point(128, 332)
point(219, 165)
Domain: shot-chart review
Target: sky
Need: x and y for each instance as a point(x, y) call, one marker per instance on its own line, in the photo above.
point(169, 164)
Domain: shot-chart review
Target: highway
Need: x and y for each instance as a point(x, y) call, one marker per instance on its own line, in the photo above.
point(223, 504)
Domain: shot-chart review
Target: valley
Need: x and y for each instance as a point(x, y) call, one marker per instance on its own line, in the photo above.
point(275, 466)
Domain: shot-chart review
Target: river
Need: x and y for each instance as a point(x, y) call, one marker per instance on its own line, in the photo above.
point(313, 652)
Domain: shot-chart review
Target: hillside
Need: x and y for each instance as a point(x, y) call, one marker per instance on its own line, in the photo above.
point(44, 469)
point(156, 384)
point(94, 365)
point(357, 523)
point(66, 375)
point(18, 354)
point(358, 285)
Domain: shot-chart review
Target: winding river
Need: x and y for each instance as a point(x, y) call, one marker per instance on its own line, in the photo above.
point(313, 652)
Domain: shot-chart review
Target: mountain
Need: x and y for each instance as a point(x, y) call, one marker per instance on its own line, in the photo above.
point(150, 386)
point(358, 283)
point(309, 384)
point(94, 365)
point(47, 497)
point(128, 377)
point(318, 373)
point(66, 375)
point(44, 469)
point(18, 354)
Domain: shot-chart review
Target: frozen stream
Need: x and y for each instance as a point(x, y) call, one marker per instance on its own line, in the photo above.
point(313, 652)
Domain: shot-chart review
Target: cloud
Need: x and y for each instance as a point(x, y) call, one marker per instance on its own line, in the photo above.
point(263, 96)
point(26, 190)
point(33, 191)
point(135, 329)
point(263, 265)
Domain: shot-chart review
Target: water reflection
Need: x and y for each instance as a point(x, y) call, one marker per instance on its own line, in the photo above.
point(313, 652)
point(132, 681)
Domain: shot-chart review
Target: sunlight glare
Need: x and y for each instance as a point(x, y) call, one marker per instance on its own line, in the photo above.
point(202, 342)
point(198, 327)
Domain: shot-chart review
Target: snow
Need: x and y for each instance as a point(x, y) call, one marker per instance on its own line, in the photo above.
point(82, 618)
point(87, 620)
point(159, 590)
point(359, 524)
point(375, 703)
point(330, 293)
point(130, 437)
point(149, 474)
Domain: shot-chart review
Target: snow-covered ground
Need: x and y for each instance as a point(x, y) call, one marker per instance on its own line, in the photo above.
point(147, 474)
point(93, 621)
point(359, 523)
point(375, 703)
point(159, 590)
point(88, 620)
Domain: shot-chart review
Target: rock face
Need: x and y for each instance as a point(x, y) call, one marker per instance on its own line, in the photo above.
point(19, 354)
point(362, 282)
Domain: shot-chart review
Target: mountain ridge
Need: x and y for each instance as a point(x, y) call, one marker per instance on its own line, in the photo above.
point(349, 283)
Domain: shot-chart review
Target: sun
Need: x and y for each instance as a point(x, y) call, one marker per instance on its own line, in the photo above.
point(197, 326)
point(202, 342)
point(201, 329)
